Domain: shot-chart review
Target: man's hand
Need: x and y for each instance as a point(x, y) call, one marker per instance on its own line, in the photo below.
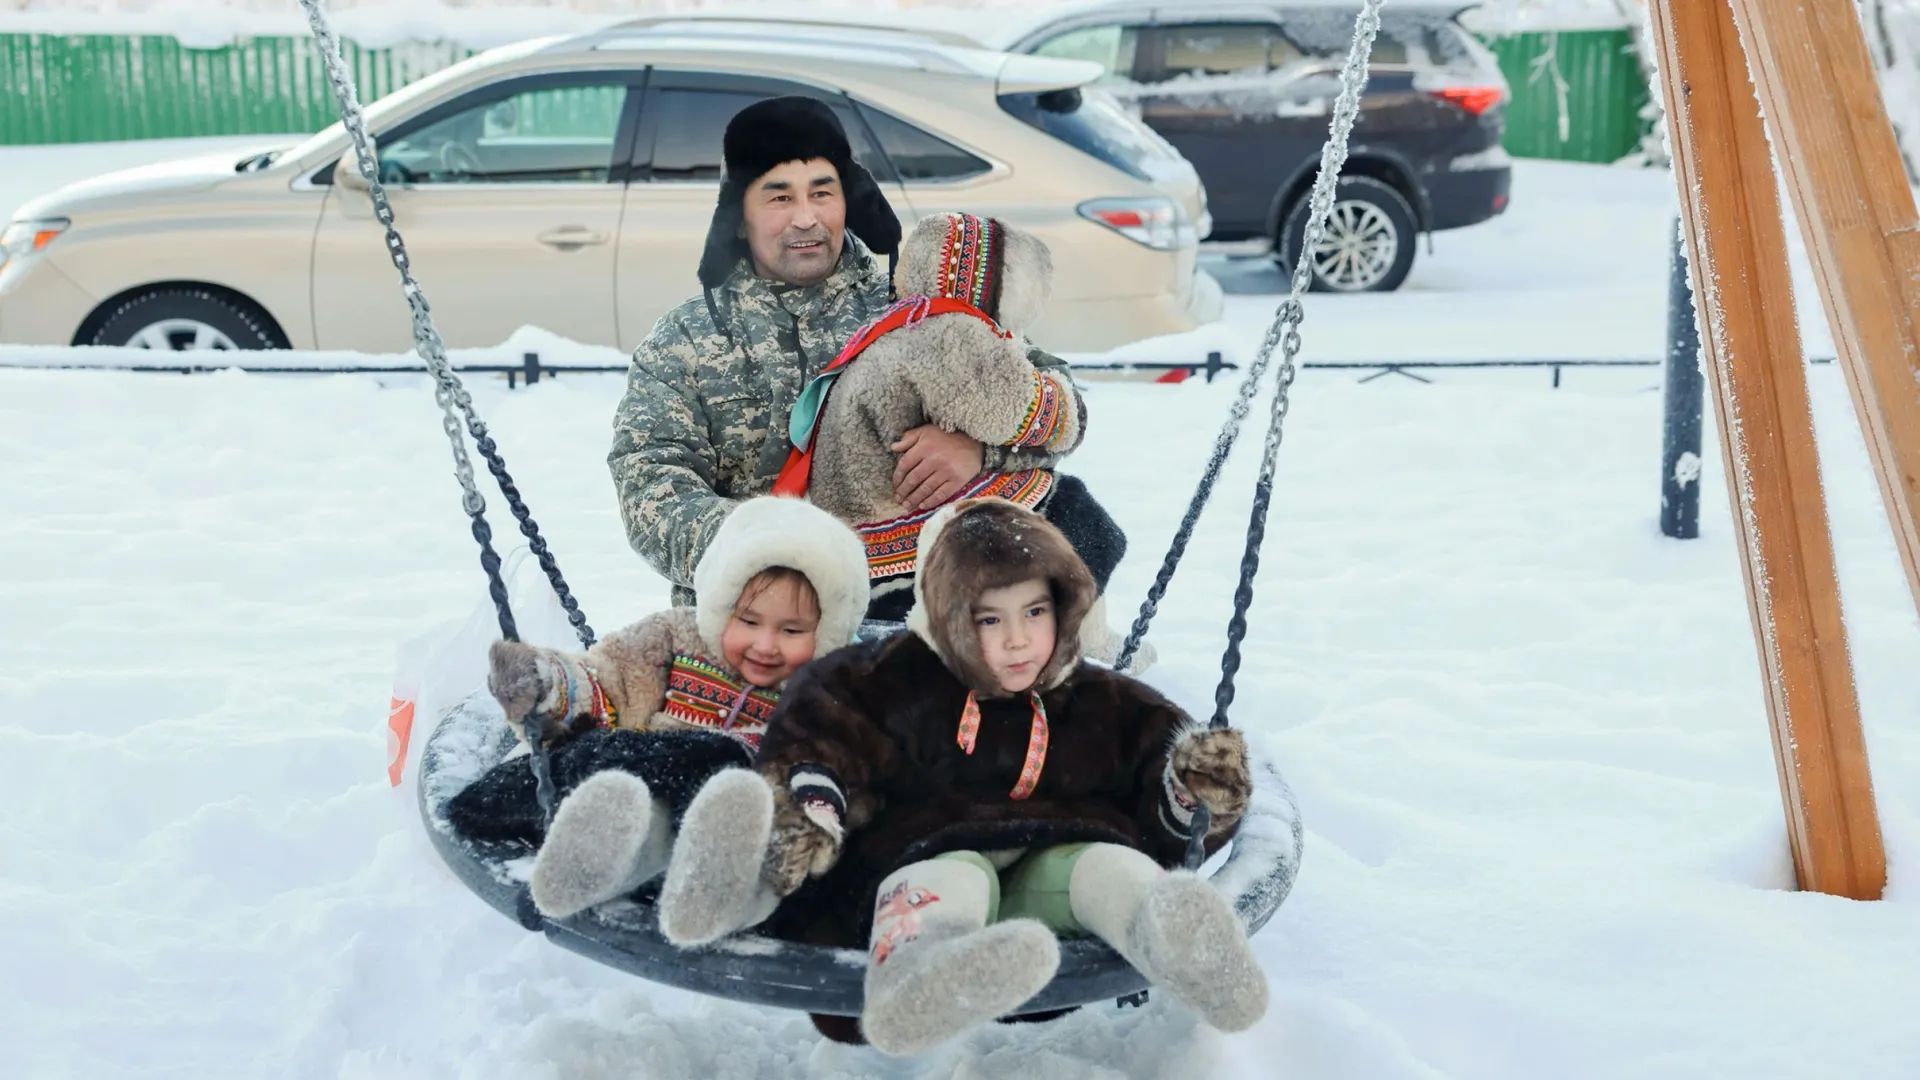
point(934, 465)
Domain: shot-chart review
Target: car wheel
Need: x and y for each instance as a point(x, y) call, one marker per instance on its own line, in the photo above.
point(1369, 242)
point(185, 320)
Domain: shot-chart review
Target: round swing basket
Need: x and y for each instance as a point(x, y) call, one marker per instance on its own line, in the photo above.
point(1256, 874)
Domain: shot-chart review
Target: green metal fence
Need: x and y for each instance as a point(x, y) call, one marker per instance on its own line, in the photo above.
point(103, 88)
point(1577, 95)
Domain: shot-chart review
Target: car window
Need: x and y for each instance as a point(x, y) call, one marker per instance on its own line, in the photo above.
point(690, 124)
point(920, 156)
point(1111, 46)
point(1197, 50)
point(1403, 40)
point(1091, 121)
point(558, 134)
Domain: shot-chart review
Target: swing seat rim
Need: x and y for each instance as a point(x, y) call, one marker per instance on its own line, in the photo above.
point(747, 967)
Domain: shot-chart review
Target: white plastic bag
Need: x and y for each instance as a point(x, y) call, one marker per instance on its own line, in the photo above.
point(440, 668)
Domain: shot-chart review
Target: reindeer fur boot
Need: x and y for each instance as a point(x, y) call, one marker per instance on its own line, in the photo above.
point(607, 839)
point(713, 885)
point(1176, 929)
point(936, 967)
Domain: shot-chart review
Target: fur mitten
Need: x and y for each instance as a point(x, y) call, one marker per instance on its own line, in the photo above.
point(544, 690)
point(1211, 767)
point(807, 829)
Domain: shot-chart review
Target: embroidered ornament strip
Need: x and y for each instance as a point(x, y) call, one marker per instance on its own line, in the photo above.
point(893, 546)
point(700, 694)
point(1044, 415)
point(967, 258)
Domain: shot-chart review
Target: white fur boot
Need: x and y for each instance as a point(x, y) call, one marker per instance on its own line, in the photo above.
point(936, 969)
point(1175, 928)
point(1101, 642)
point(606, 840)
point(713, 883)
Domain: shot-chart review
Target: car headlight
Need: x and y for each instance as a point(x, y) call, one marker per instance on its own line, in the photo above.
point(23, 238)
point(1158, 223)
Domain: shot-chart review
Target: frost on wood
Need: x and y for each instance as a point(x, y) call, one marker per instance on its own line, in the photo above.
point(1738, 455)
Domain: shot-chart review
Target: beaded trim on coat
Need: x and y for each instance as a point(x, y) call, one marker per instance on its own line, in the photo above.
point(702, 694)
point(893, 547)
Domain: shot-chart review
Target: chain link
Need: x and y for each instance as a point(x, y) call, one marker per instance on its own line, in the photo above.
point(456, 405)
point(1282, 334)
point(450, 394)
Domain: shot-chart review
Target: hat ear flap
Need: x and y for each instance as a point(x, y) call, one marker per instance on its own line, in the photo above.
point(723, 237)
point(868, 214)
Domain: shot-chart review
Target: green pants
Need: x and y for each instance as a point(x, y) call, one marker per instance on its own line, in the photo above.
point(1033, 887)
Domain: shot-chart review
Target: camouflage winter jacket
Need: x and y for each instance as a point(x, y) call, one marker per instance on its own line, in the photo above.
point(704, 420)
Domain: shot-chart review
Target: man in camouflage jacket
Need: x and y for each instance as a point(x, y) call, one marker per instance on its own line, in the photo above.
point(703, 423)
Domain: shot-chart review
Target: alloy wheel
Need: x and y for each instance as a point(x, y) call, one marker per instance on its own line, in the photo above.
point(1359, 247)
point(180, 335)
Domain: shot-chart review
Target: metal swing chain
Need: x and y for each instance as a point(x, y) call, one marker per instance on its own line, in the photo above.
point(449, 393)
point(1285, 331)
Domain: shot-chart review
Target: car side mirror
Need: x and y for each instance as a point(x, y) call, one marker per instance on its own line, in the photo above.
point(346, 174)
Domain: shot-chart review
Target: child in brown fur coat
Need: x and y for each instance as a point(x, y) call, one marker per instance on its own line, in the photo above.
point(641, 720)
point(954, 796)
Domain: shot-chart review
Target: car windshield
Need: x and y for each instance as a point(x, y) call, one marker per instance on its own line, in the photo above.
point(1092, 122)
point(423, 89)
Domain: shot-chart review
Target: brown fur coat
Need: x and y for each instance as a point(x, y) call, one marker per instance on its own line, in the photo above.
point(880, 719)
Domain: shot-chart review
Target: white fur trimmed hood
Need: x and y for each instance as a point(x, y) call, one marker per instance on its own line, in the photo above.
point(770, 531)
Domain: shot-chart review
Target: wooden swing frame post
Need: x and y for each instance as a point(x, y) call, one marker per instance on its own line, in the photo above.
point(1817, 82)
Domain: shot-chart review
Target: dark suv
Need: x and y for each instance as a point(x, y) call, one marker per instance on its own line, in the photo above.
point(1245, 88)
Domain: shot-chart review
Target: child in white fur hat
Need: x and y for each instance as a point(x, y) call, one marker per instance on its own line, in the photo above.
point(637, 723)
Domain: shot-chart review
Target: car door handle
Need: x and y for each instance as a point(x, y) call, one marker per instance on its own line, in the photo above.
point(571, 237)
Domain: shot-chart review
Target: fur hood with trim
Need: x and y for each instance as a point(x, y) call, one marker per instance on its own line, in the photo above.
point(635, 667)
point(971, 547)
point(767, 532)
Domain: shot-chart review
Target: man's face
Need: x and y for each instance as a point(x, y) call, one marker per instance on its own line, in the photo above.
point(796, 221)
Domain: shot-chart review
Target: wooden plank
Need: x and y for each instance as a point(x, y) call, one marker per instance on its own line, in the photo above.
point(1849, 187)
point(1751, 344)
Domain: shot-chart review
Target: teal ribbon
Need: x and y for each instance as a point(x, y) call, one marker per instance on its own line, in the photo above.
point(805, 416)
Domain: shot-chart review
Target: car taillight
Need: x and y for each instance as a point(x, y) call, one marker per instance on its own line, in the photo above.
point(1474, 99)
point(1155, 223)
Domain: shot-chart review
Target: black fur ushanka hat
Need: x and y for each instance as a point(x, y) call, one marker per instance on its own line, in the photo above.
point(768, 134)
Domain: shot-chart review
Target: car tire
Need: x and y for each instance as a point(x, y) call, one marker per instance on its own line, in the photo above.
point(185, 319)
point(1370, 240)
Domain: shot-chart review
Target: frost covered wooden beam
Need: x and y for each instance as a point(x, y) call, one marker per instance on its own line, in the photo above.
point(1751, 346)
point(1821, 97)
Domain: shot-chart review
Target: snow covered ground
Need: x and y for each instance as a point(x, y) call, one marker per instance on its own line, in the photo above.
point(1544, 833)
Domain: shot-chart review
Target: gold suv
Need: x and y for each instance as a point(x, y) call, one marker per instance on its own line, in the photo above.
point(567, 183)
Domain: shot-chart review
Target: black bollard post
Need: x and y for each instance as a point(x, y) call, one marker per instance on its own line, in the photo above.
point(531, 362)
point(1685, 396)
